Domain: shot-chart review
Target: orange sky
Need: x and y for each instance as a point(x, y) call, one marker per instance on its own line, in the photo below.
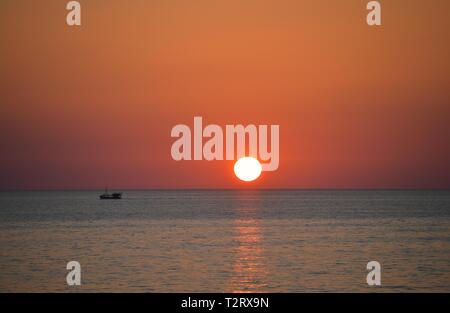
point(93, 106)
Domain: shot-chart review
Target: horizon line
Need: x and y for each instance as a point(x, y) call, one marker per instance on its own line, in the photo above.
point(229, 189)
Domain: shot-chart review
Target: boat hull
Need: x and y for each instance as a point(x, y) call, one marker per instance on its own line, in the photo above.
point(112, 196)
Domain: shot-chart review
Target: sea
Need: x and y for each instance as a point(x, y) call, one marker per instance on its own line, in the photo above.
point(226, 240)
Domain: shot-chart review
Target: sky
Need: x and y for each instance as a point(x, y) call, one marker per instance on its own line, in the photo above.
point(93, 106)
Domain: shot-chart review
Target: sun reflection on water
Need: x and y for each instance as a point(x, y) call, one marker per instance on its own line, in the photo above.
point(249, 268)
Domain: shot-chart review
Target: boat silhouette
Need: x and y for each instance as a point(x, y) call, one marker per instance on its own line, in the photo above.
point(114, 195)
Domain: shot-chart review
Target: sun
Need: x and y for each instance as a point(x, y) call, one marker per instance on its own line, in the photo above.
point(247, 168)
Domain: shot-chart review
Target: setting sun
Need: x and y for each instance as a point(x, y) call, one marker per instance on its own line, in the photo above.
point(247, 168)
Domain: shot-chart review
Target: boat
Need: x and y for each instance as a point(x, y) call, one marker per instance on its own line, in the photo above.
point(115, 195)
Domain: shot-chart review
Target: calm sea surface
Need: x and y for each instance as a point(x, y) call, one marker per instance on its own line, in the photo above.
point(225, 241)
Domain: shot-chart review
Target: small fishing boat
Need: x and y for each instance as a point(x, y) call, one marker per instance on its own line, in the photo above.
point(115, 195)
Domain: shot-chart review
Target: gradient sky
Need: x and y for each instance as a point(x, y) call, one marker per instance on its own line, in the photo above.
point(93, 106)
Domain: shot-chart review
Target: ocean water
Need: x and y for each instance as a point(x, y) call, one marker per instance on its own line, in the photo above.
point(226, 241)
